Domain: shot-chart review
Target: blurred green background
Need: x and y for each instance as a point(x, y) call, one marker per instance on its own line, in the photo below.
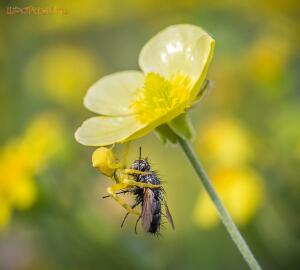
point(52, 215)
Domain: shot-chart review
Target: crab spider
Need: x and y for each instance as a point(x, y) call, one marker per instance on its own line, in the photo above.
point(106, 162)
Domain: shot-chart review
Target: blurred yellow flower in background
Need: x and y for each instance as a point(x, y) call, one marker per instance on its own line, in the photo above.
point(240, 189)
point(64, 72)
point(224, 141)
point(21, 159)
point(267, 58)
point(133, 103)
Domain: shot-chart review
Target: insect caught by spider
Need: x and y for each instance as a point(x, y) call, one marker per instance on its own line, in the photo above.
point(140, 181)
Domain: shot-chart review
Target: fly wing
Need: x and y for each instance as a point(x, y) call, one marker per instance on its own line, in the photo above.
point(168, 214)
point(147, 209)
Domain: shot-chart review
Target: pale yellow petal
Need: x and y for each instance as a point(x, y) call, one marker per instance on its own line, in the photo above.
point(112, 94)
point(101, 130)
point(185, 49)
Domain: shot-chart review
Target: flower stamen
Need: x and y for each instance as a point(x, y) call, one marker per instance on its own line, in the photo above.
point(160, 96)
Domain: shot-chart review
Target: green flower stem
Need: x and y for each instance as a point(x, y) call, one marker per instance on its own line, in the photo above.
point(223, 213)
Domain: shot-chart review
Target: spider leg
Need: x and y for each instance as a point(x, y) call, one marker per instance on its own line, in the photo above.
point(120, 192)
point(132, 171)
point(130, 182)
point(125, 154)
point(112, 190)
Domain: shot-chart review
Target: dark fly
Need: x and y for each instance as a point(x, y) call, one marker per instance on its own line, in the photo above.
point(151, 199)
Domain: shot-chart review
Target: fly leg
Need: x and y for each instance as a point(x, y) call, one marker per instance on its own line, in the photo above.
point(137, 221)
point(132, 207)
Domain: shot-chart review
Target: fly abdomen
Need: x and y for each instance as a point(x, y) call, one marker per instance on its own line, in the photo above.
point(156, 218)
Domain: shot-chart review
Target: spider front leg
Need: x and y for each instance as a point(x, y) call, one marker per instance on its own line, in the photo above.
point(130, 182)
point(133, 171)
point(112, 190)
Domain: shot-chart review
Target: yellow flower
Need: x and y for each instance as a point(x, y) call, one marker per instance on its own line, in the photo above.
point(224, 141)
point(132, 103)
point(21, 159)
point(267, 58)
point(17, 188)
point(64, 72)
point(241, 191)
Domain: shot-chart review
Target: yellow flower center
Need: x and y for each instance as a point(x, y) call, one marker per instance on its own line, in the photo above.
point(160, 96)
